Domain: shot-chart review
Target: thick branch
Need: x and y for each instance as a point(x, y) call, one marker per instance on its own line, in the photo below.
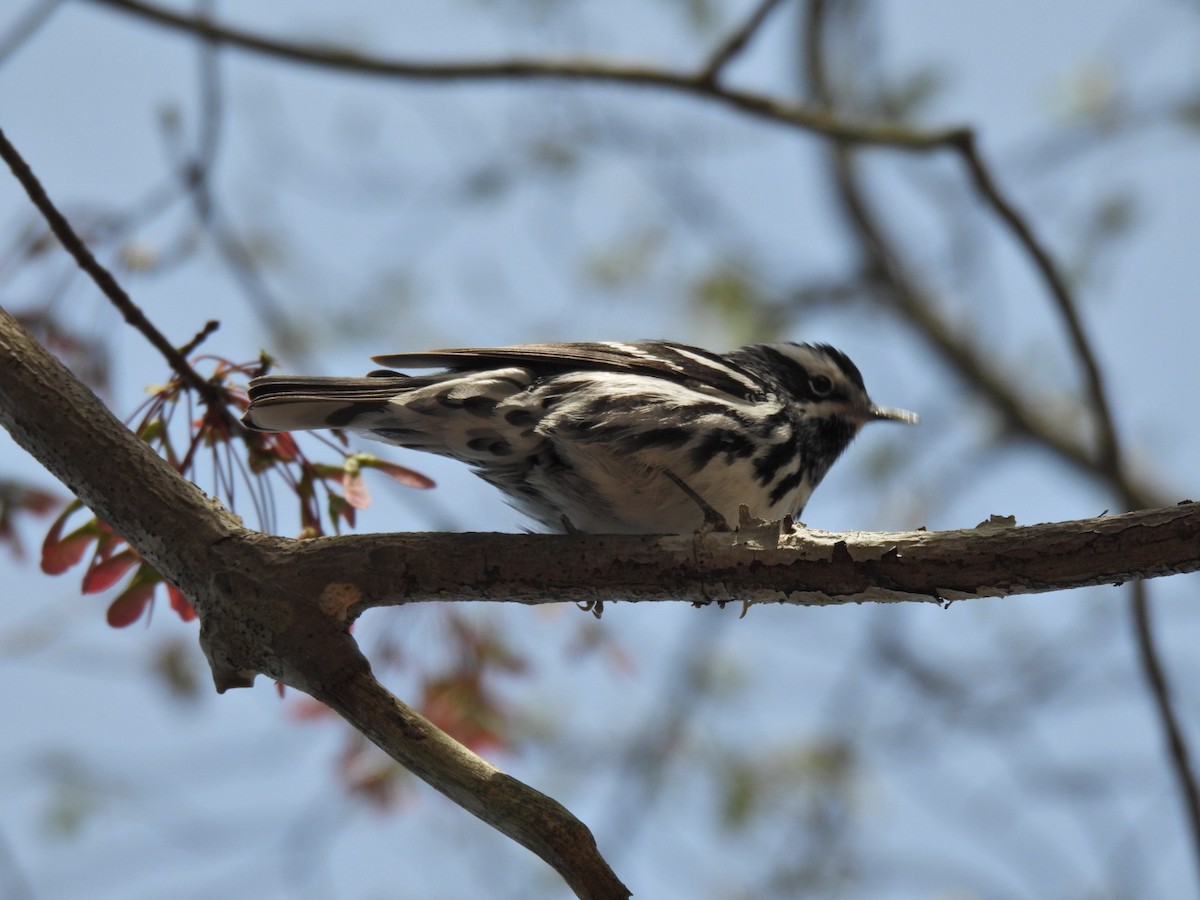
point(67, 429)
point(180, 530)
point(281, 607)
point(757, 565)
point(256, 618)
point(530, 818)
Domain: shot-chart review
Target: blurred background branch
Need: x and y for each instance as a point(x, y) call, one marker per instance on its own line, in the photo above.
point(991, 750)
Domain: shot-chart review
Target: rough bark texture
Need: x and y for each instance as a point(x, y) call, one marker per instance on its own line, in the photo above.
point(759, 564)
point(281, 607)
point(257, 613)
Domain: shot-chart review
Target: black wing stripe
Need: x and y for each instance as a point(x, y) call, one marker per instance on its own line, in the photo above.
point(663, 359)
point(298, 388)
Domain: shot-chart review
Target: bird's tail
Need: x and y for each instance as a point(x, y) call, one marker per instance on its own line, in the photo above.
point(304, 402)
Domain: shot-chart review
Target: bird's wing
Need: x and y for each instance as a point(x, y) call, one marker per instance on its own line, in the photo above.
point(267, 389)
point(662, 359)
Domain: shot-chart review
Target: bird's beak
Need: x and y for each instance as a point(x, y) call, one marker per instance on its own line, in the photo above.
point(890, 414)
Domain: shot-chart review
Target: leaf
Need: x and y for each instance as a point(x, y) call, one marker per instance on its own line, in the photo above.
point(180, 603)
point(131, 604)
point(307, 709)
point(284, 446)
point(328, 471)
point(480, 645)
point(151, 429)
point(340, 509)
point(108, 544)
point(460, 706)
point(108, 572)
point(35, 500)
point(355, 490)
point(402, 474)
point(62, 555)
point(369, 774)
point(728, 291)
point(59, 553)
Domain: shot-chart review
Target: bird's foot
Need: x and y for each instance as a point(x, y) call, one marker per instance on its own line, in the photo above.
point(713, 520)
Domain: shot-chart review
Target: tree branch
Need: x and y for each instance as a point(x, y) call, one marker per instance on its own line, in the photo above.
point(180, 531)
point(104, 280)
point(26, 26)
point(737, 41)
point(296, 633)
point(819, 119)
point(1160, 693)
point(254, 616)
point(760, 564)
point(1109, 455)
point(1105, 464)
point(352, 62)
point(970, 360)
point(529, 817)
point(282, 607)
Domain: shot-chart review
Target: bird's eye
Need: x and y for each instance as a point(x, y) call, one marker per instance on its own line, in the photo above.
point(821, 385)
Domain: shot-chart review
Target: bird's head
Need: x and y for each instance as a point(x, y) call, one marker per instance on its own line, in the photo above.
point(821, 379)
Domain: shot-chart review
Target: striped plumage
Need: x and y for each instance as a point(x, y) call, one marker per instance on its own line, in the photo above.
point(615, 437)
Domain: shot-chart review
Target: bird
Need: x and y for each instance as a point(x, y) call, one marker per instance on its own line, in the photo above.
point(645, 437)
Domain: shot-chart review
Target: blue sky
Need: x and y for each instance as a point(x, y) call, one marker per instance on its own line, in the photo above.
point(374, 238)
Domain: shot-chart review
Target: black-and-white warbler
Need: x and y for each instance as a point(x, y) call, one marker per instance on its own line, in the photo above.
point(650, 437)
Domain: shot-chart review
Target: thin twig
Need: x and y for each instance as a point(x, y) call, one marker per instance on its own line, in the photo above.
point(239, 261)
point(350, 61)
point(1108, 460)
point(970, 360)
point(1105, 464)
point(26, 27)
point(1160, 692)
point(814, 52)
point(737, 42)
point(103, 278)
point(211, 106)
point(1109, 456)
point(196, 174)
point(201, 336)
